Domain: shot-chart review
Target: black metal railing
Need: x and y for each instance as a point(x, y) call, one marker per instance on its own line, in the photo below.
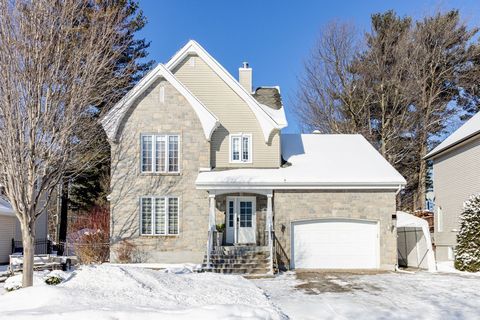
point(281, 259)
point(42, 246)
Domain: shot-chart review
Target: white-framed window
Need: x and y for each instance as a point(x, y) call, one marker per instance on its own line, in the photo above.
point(161, 94)
point(439, 220)
point(241, 148)
point(160, 153)
point(159, 215)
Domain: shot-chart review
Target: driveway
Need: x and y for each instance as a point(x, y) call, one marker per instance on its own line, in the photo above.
point(368, 295)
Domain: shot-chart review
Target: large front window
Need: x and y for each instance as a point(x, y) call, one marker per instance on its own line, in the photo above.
point(241, 148)
point(160, 153)
point(159, 215)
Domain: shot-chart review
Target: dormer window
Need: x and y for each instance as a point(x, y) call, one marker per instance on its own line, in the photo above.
point(241, 148)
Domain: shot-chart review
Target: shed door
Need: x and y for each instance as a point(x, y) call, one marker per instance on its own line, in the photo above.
point(335, 244)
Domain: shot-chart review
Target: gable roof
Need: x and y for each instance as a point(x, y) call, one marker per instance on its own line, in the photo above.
point(466, 131)
point(112, 120)
point(6, 208)
point(267, 121)
point(316, 161)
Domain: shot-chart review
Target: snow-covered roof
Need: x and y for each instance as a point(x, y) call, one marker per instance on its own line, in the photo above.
point(316, 161)
point(268, 121)
point(466, 131)
point(112, 120)
point(6, 208)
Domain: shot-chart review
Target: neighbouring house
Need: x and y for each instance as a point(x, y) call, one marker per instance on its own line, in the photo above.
point(456, 176)
point(7, 229)
point(10, 231)
point(202, 173)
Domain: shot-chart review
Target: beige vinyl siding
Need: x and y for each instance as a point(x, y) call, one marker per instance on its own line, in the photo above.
point(7, 232)
point(456, 178)
point(41, 228)
point(234, 114)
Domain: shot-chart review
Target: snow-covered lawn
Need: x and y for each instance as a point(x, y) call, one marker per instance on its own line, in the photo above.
point(133, 292)
point(124, 292)
point(419, 295)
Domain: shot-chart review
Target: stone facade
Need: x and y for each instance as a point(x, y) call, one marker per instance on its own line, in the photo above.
point(173, 116)
point(296, 205)
point(261, 213)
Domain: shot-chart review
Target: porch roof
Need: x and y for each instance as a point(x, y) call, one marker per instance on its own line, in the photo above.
point(314, 161)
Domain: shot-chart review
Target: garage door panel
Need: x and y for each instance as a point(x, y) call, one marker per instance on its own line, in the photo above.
point(335, 244)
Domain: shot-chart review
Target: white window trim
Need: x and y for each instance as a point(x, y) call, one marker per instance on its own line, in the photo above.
point(153, 227)
point(154, 151)
point(161, 94)
point(250, 147)
point(439, 219)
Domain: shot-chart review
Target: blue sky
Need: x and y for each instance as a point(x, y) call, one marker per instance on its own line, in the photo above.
point(273, 36)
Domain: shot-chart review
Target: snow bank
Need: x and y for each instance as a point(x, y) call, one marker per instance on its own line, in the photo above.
point(123, 292)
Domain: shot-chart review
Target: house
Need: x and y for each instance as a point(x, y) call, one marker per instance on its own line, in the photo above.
point(10, 230)
point(7, 229)
point(194, 149)
point(456, 176)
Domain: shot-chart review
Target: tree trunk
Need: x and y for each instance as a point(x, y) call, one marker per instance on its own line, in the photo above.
point(28, 237)
point(62, 233)
point(422, 178)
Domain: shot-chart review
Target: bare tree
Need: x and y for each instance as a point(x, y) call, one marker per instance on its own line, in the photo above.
point(331, 97)
point(441, 71)
point(58, 61)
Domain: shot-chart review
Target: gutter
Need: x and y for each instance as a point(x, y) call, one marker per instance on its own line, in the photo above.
point(432, 155)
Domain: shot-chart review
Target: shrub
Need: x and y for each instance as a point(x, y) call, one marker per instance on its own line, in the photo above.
point(53, 280)
point(125, 251)
point(467, 256)
point(92, 236)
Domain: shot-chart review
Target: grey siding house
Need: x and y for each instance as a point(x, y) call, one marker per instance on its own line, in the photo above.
point(456, 176)
point(202, 173)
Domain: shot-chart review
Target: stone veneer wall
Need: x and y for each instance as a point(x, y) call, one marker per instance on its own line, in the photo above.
point(261, 212)
point(174, 116)
point(294, 205)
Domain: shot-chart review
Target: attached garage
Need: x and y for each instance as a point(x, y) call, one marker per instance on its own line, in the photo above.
point(335, 244)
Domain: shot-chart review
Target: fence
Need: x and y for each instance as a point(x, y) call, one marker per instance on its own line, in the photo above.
point(42, 246)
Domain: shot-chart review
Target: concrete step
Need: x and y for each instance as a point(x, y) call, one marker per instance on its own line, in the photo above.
point(238, 270)
point(242, 261)
point(238, 256)
point(237, 265)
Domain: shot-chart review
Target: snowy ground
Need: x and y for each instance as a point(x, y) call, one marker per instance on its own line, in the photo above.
point(420, 295)
point(114, 292)
point(132, 292)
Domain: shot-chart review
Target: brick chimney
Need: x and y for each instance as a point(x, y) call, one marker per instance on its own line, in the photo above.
point(245, 77)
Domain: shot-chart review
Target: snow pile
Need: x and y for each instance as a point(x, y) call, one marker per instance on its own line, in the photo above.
point(121, 292)
point(178, 268)
point(39, 278)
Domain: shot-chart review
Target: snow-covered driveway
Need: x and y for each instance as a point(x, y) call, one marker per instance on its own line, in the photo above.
point(421, 295)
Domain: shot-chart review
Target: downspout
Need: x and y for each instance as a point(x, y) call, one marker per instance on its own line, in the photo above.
point(400, 187)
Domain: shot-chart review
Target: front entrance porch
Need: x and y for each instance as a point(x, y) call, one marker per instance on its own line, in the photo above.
point(240, 230)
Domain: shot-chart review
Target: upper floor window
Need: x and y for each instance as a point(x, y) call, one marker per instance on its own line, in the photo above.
point(241, 148)
point(160, 153)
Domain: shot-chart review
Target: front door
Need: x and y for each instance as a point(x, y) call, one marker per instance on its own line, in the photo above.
point(241, 220)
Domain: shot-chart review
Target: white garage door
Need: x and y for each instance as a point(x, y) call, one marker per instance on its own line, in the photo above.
point(335, 244)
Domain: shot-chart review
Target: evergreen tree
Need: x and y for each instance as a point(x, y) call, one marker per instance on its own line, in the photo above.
point(90, 187)
point(468, 239)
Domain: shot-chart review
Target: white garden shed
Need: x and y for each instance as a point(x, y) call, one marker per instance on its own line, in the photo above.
point(7, 229)
point(414, 243)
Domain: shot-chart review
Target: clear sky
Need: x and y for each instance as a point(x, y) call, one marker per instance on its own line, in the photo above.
point(273, 36)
